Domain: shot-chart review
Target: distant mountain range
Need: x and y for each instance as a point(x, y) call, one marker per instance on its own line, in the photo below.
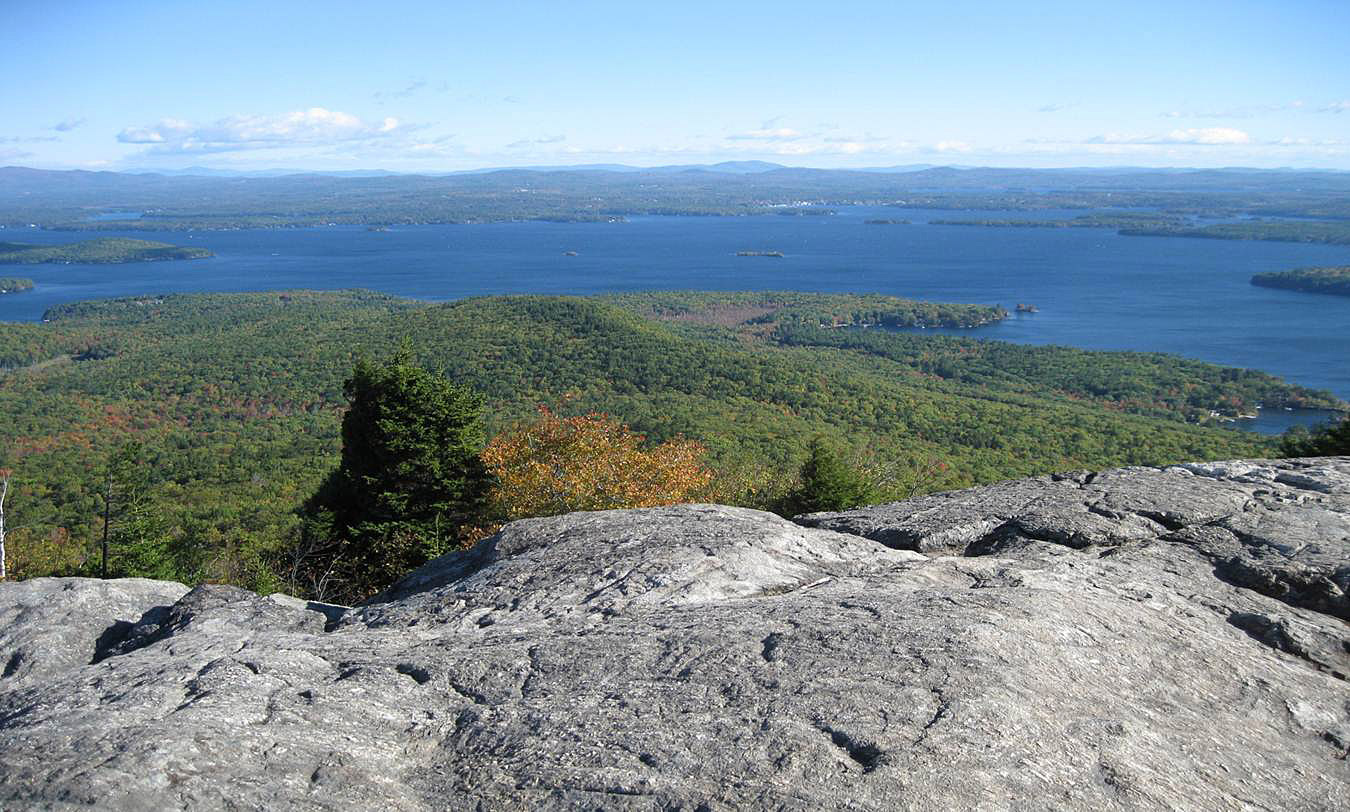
point(201, 198)
point(725, 168)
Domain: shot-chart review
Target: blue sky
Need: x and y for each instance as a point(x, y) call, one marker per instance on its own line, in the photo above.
point(426, 86)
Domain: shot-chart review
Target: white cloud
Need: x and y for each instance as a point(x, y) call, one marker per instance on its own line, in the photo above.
point(67, 125)
point(767, 134)
point(1337, 107)
point(530, 142)
point(951, 146)
point(1246, 111)
point(1307, 142)
point(1236, 113)
point(1208, 135)
point(13, 154)
point(865, 138)
point(315, 126)
point(1119, 138)
point(721, 150)
point(1205, 136)
point(803, 148)
point(166, 130)
point(441, 146)
point(1053, 108)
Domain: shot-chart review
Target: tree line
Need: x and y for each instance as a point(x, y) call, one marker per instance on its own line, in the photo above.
point(233, 407)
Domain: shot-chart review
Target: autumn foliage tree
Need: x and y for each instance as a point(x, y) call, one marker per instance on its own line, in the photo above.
point(557, 464)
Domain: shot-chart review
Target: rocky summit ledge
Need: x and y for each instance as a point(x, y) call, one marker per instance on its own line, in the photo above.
point(1138, 638)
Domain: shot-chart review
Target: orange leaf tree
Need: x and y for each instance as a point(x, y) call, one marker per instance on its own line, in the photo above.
point(555, 465)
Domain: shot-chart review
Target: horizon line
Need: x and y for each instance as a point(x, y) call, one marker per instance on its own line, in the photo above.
point(771, 166)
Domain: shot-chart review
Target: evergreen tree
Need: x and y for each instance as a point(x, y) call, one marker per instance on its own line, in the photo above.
point(828, 483)
point(409, 478)
point(1329, 441)
point(134, 534)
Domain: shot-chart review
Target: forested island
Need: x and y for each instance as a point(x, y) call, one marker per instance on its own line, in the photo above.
point(1116, 221)
point(1145, 224)
point(221, 412)
point(1335, 281)
point(10, 284)
point(101, 251)
point(1309, 231)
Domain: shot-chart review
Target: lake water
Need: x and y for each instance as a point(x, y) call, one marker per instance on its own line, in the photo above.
point(1094, 289)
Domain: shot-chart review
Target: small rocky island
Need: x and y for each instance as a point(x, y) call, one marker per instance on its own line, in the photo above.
point(759, 254)
point(10, 284)
point(1335, 281)
point(100, 251)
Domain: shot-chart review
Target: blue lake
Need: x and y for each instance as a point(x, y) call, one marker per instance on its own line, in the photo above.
point(1094, 289)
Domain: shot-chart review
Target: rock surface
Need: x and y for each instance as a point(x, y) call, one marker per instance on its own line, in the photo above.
point(1138, 638)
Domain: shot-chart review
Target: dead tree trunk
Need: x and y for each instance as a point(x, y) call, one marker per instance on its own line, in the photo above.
point(107, 519)
point(4, 491)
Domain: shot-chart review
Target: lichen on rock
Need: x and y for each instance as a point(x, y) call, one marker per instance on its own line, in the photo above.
point(1136, 638)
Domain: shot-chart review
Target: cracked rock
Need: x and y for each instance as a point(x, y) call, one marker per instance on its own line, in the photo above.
point(1132, 639)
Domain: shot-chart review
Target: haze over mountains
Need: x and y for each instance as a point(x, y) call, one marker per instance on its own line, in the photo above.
point(28, 195)
point(724, 167)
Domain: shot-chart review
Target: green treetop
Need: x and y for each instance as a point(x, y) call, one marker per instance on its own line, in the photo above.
point(409, 478)
point(828, 483)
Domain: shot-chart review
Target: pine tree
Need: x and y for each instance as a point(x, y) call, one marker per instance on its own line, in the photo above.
point(1328, 441)
point(828, 483)
point(409, 478)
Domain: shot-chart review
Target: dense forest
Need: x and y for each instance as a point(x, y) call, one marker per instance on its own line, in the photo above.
point(220, 413)
point(1116, 220)
point(1311, 231)
point(1157, 224)
point(1311, 280)
point(101, 251)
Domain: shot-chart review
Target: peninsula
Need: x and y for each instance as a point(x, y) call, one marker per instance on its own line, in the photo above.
point(10, 284)
point(1162, 224)
point(101, 251)
point(1335, 281)
point(1309, 231)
